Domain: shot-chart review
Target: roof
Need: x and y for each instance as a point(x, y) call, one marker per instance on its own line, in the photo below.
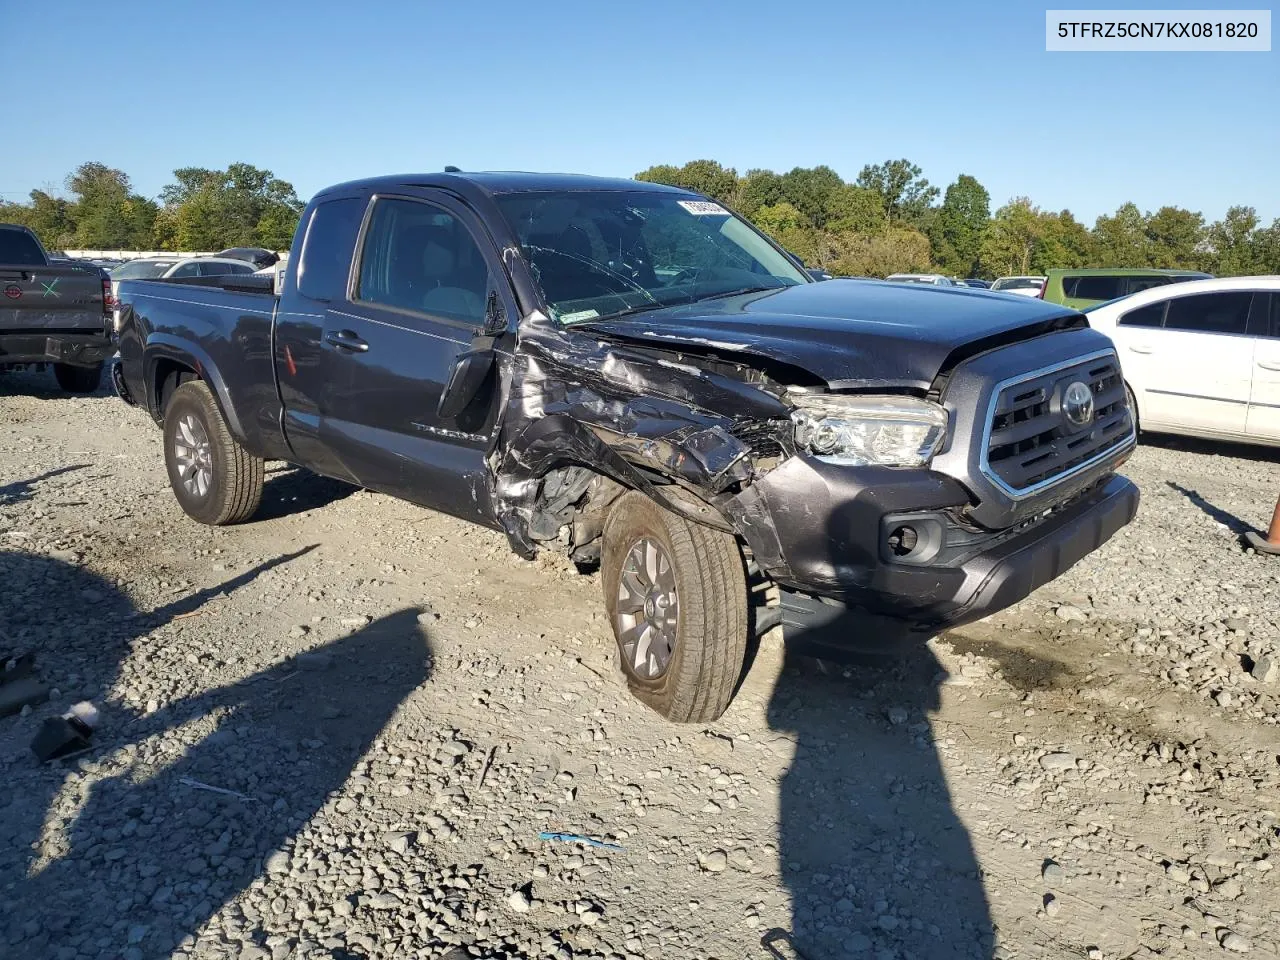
point(499, 182)
point(1124, 272)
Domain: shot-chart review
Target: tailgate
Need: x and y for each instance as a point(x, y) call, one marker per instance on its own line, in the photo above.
point(47, 299)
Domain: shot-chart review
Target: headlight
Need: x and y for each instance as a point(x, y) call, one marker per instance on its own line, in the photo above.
point(857, 430)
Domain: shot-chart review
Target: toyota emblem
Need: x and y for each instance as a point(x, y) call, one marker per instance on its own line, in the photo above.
point(1077, 403)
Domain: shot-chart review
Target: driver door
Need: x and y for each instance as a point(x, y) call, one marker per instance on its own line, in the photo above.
point(426, 292)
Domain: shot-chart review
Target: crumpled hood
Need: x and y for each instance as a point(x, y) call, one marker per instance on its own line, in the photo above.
point(850, 333)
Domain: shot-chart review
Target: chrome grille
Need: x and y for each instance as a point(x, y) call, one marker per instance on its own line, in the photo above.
point(1032, 442)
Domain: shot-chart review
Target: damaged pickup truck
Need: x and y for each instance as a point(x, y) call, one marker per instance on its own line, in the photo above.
point(632, 374)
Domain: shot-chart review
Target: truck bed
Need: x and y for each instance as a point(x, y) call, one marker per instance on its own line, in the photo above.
point(50, 299)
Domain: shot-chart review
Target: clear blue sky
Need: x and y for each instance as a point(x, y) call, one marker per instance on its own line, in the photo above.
point(325, 91)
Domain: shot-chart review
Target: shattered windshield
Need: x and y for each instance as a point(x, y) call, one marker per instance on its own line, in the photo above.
point(598, 254)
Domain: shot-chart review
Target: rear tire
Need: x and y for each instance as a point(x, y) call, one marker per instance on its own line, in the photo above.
point(700, 571)
point(78, 379)
point(215, 480)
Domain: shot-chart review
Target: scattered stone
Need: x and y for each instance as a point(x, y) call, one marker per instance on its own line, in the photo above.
point(1235, 943)
point(1070, 613)
point(278, 862)
point(1052, 905)
point(715, 862)
point(1058, 762)
point(1051, 872)
point(519, 901)
point(1266, 669)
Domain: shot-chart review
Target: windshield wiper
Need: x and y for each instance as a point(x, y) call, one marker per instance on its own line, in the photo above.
point(742, 290)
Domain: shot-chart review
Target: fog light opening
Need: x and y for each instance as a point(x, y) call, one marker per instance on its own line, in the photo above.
point(903, 541)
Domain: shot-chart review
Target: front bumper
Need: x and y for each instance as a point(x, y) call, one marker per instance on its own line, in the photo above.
point(76, 349)
point(827, 539)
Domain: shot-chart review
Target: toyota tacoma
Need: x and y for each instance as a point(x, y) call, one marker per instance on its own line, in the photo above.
point(633, 374)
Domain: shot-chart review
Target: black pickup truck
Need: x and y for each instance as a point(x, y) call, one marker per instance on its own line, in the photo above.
point(52, 313)
point(633, 374)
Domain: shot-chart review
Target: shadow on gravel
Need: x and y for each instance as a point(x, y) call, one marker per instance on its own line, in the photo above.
point(875, 858)
point(22, 490)
point(42, 385)
point(133, 864)
point(1215, 513)
point(291, 490)
point(1212, 448)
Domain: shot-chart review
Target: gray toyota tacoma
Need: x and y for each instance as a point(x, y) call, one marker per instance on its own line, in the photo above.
point(634, 375)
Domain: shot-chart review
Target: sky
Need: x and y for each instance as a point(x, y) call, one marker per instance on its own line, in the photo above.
point(324, 91)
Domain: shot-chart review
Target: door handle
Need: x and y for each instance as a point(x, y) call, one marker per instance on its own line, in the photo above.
point(1269, 365)
point(1140, 349)
point(346, 340)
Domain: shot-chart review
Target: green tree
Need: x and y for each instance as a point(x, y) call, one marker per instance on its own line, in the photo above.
point(759, 188)
point(1062, 241)
point(1235, 244)
point(792, 230)
point(53, 220)
point(107, 213)
point(810, 190)
point(1174, 238)
point(1121, 240)
point(701, 176)
point(961, 225)
point(894, 249)
point(240, 206)
point(906, 194)
point(1010, 244)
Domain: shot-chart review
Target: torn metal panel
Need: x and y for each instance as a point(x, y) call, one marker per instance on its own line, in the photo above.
point(641, 417)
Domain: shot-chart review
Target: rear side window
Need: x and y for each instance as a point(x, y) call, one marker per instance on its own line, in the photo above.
point(418, 256)
point(186, 270)
point(18, 248)
point(1093, 288)
point(1152, 315)
point(1109, 288)
point(1210, 312)
point(325, 261)
point(1273, 328)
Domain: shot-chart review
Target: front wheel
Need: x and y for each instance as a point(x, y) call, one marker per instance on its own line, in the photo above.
point(215, 480)
point(676, 595)
point(77, 379)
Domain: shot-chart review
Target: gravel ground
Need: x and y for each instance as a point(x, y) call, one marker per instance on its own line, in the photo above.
point(339, 730)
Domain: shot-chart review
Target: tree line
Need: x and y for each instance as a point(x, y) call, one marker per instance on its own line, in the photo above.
point(890, 220)
point(241, 206)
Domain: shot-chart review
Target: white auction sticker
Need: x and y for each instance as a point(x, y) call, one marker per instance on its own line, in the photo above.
point(703, 208)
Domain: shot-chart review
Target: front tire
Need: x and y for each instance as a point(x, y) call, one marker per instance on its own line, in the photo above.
point(676, 595)
point(77, 379)
point(215, 480)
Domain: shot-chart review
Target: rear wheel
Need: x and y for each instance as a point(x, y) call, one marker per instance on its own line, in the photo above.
point(78, 379)
point(215, 480)
point(676, 595)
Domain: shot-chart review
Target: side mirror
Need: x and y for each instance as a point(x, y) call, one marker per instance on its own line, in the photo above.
point(470, 371)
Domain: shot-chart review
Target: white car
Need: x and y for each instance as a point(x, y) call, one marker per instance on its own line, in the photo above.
point(935, 279)
point(1201, 358)
point(1024, 286)
point(165, 268)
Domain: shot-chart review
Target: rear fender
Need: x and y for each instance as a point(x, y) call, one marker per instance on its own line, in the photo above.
point(163, 346)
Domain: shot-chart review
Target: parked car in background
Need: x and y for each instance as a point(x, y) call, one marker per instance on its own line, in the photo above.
point(533, 354)
point(936, 279)
point(1201, 358)
point(164, 268)
point(53, 312)
point(258, 256)
point(1027, 286)
point(1085, 288)
point(975, 282)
